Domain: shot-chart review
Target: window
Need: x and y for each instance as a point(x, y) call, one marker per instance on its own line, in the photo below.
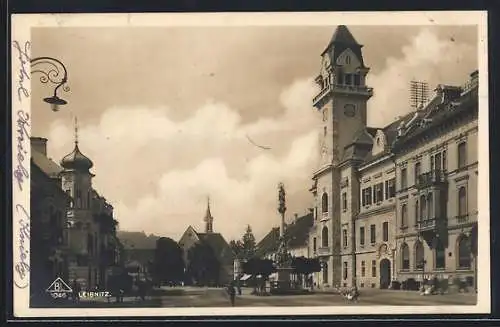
point(404, 216)
point(462, 202)
point(404, 182)
point(90, 244)
point(348, 79)
point(325, 130)
point(374, 268)
point(419, 256)
point(340, 78)
point(345, 270)
point(378, 193)
point(367, 196)
point(344, 201)
point(372, 234)
point(418, 167)
point(324, 237)
point(324, 203)
point(314, 244)
point(315, 213)
point(357, 80)
point(423, 208)
point(430, 209)
point(462, 155)
point(347, 60)
point(325, 114)
point(361, 236)
point(363, 269)
point(440, 262)
point(438, 162)
point(78, 198)
point(344, 237)
point(385, 231)
point(405, 257)
point(445, 163)
point(464, 252)
point(417, 212)
point(390, 188)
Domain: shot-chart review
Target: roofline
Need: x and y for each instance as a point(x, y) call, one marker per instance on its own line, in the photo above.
point(375, 162)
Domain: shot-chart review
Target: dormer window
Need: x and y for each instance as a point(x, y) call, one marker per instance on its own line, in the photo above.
point(348, 79)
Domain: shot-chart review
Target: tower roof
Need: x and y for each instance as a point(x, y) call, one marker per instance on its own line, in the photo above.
point(76, 159)
point(343, 35)
point(341, 40)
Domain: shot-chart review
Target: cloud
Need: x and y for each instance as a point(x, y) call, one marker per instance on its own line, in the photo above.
point(157, 171)
point(426, 57)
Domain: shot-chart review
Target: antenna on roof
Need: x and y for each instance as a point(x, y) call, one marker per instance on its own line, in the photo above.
point(419, 94)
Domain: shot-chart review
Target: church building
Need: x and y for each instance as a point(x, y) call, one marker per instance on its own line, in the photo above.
point(215, 241)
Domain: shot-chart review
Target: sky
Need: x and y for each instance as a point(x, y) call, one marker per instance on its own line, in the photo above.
point(171, 115)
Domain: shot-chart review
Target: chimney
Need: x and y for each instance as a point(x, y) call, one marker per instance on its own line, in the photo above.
point(39, 144)
point(296, 216)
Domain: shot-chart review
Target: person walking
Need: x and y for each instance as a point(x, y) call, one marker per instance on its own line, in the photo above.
point(232, 293)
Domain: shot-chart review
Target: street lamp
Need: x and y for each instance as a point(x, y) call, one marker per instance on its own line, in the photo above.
point(55, 72)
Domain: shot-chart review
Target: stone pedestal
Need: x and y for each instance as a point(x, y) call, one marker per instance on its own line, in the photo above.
point(283, 278)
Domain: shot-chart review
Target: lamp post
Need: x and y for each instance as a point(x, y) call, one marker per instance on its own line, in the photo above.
point(53, 71)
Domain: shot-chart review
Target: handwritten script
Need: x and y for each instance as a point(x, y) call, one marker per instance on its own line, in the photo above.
point(22, 75)
point(21, 264)
point(20, 172)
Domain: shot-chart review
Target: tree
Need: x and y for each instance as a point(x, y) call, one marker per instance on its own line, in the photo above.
point(305, 266)
point(203, 265)
point(249, 244)
point(168, 265)
point(262, 267)
point(237, 247)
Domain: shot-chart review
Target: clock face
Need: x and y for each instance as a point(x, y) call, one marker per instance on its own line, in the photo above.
point(349, 110)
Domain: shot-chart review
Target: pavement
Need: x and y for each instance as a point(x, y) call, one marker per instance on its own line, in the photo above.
point(217, 297)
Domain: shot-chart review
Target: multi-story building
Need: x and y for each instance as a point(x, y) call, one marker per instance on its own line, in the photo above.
point(341, 100)
point(88, 226)
point(373, 181)
point(437, 169)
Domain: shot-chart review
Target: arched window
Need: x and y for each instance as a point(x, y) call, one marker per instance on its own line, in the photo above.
point(462, 202)
point(423, 208)
point(404, 216)
point(324, 237)
point(324, 203)
point(430, 209)
point(440, 260)
point(405, 257)
point(419, 255)
point(464, 253)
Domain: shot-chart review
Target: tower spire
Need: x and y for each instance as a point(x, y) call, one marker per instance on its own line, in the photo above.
point(76, 130)
point(208, 218)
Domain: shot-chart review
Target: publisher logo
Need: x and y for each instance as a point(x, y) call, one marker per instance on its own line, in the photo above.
point(59, 289)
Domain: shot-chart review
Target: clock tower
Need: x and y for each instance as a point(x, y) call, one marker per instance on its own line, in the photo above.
point(341, 100)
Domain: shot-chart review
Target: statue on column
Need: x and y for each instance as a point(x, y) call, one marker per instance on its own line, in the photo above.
point(283, 258)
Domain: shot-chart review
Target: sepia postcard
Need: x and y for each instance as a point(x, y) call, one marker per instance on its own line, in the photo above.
point(250, 164)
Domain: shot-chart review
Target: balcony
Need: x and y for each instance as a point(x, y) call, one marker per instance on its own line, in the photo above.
point(431, 178)
point(344, 89)
point(324, 251)
point(431, 224)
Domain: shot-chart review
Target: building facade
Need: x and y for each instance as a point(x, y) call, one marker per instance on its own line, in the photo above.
point(437, 169)
point(396, 202)
point(89, 229)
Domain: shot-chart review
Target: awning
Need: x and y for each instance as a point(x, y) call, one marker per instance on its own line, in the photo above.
point(245, 277)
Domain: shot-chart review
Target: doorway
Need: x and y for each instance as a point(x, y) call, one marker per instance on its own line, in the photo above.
point(385, 273)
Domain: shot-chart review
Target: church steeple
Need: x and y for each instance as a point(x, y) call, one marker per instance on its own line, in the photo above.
point(208, 218)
